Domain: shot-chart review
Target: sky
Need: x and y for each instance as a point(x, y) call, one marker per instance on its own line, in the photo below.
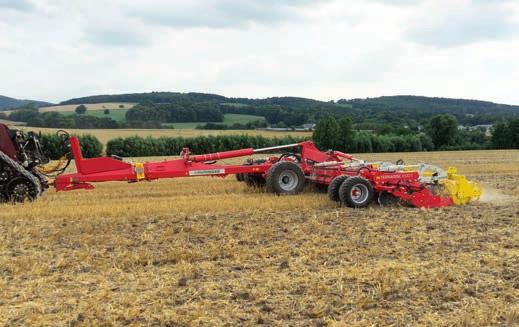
point(53, 50)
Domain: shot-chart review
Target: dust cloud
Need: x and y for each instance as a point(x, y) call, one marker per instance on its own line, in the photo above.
point(494, 196)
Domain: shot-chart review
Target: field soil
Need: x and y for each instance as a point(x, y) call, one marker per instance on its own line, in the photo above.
point(90, 106)
point(210, 251)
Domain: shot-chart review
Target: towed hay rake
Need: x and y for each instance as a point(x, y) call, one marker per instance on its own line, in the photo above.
point(350, 181)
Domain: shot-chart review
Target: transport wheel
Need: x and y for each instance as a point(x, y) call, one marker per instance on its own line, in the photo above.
point(333, 188)
point(356, 192)
point(285, 177)
point(386, 199)
point(20, 190)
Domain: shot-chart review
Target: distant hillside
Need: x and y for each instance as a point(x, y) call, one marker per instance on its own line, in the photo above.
point(419, 109)
point(176, 97)
point(399, 102)
point(152, 97)
point(439, 105)
point(391, 110)
point(11, 103)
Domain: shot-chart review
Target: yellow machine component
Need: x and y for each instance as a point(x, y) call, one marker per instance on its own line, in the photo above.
point(49, 169)
point(460, 189)
point(139, 171)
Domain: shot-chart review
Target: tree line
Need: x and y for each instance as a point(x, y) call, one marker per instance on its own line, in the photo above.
point(236, 126)
point(80, 120)
point(340, 135)
point(441, 132)
point(54, 147)
point(505, 135)
point(176, 112)
point(55, 119)
point(136, 146)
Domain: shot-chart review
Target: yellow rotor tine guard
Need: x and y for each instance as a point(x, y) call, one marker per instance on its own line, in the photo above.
point(460, 189)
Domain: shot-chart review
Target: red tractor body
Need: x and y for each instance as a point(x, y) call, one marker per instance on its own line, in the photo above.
point(7, 141)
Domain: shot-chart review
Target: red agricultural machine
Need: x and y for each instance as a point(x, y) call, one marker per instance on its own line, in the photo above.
point(353, 182)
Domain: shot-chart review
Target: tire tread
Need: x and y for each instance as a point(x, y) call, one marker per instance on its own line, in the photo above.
point(345, 192)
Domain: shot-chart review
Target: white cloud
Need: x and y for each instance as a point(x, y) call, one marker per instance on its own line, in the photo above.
point(20, 5)
point(216, 13)
point(453, 23)
point(54, 50)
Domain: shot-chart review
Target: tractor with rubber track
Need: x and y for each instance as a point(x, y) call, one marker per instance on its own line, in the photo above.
point(25, 173)
point(20, 158)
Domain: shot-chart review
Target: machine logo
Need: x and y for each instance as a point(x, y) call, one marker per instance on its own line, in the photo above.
point(206, 172)
point(396, 176)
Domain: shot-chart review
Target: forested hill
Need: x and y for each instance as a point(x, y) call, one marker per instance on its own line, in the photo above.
point(151, 97)
point(400, 102)
point(176, 97)
point(438, 105)
point(292, 111)
point(10, 103)
point(420, 109)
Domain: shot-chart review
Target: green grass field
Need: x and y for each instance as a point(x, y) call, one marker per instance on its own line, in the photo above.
point(117, 115)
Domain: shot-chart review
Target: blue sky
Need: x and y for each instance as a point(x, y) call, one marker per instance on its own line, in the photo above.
point(54, 50)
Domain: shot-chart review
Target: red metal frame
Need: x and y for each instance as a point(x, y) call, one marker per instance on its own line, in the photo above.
point(318, 167)
point(6, 143)
point(105, 169)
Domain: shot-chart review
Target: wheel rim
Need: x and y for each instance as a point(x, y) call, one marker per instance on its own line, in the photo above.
point(359, 193)
point(20, 192)
point(288, 180)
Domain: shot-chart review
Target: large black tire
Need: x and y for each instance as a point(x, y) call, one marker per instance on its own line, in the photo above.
point(3, 197)
point(333, 188)
point(285, 177)
point(356, 192)
point(386, 199)
point(240, 177)
point(254, 180)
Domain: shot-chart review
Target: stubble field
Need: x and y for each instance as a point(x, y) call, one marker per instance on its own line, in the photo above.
point(210, 251)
